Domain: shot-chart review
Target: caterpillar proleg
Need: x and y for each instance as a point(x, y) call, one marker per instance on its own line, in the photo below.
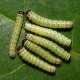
point(50, 45)
point(43, 53)
point(16, 32)
point(35, 61)
point(48, 33)
point(47, 22)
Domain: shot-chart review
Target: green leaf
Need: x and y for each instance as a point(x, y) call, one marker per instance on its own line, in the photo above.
point(17, 69)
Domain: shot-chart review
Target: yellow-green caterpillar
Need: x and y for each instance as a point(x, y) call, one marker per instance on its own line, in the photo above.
point(48, 33)
point(50, 45)
point(16, 32)
point(35, 60)
point(47, 22)
point(43, 53)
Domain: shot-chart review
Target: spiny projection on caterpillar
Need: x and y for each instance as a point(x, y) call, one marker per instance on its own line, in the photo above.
point(40, 51)
point(47, 22)
point(16, 32)
point(61, 39)
point(27, 56)
point(50, 45)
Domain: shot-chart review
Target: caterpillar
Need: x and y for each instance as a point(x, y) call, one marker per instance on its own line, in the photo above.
point(43, 53)
point(50, 45)
point(48, 33)
point(27, 56)
point(16, 32)
point(47, 22)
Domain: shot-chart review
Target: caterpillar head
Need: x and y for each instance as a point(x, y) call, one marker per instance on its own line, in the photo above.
point(19, 48)
point(23, 41)
point(28, 11)
point(21, 12)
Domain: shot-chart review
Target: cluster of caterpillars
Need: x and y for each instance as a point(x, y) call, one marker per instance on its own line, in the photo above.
point(40, 39)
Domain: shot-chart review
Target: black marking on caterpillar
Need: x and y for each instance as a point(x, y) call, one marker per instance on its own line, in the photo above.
point(47, 22)
point(40, 51)
point(35, 60)
point(16, 32)
point(61, 39)
point(50, 45)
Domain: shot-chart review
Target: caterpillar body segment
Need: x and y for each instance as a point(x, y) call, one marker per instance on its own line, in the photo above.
point(16, 32)
point(47, 22)
point(35, 61)
point(58, 37)
point(50, 45)
point(43, 53)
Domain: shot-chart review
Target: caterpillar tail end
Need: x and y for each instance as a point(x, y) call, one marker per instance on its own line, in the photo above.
point(12, 54)
point(58, 61)
point(53, 70)
point(28, 11)
point(69, 57)
point(70, 43)
point(71, 24)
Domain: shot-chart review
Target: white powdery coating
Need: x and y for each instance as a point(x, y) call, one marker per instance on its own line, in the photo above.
point(40, 51)
point(47, 22)
point(50, 45)
point(36, 61)
point(15, 35)
point(61, 39)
